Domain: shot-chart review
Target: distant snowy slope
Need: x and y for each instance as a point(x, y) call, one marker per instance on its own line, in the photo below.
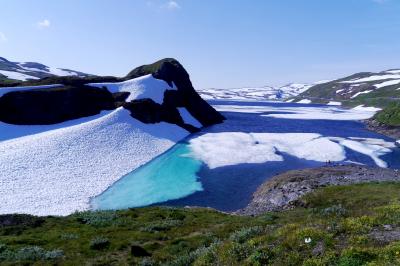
point(255, 93)
point(24, 71)
point(376, 89)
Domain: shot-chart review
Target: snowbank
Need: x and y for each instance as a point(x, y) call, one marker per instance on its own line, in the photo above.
point(387, 83)
point(16, 75)
point(359, 93)
point(370, 147)
point(139, 88)
point(366, 109)
point(305, 101)
point(334, 103)
point(55, 172)
point(230, 148)
point(374, 78)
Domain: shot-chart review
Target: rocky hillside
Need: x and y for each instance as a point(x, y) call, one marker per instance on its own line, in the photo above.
point(21, 71)
point(372, 89)
point(56, 98)
point(284, 190)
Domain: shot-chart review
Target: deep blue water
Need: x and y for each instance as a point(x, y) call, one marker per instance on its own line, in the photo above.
point(231, 187)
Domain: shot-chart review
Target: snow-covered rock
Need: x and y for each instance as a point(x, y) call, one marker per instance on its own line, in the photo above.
point(139, 88)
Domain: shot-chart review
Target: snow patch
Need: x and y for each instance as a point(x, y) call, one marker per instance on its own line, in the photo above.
point(387, 83)
point(374, 78)
point(305, 101)
point(359, 93)
point(366, 109)
point(334, 103)
point(370, 147)
point(393, 71)
point(139, 88)
point(221, 149)
point(16, 75)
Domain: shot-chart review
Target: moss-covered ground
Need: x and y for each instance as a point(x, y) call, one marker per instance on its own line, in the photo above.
point(342, 225)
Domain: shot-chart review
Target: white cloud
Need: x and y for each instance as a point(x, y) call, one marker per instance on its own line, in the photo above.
point(43, 24)
point(3, 37)
point(163, 5)
point(173, 5)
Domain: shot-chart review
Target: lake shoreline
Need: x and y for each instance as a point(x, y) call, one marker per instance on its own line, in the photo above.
point(284, 191)
point(389, 131)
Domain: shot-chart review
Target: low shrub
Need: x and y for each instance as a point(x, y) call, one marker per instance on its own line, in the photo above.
point(355, 256)
point(31, 253)
point(160, 226)
point(260, 257)
point(99, 243)
point(245, 234)
point(69, 236)
point(361, 224)
point(334, 210)
point(97, 218)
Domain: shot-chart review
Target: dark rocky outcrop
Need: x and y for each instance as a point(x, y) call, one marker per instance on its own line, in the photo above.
point(381, 128)
point(55, 105)
point(138, 251)
point(150, 112)
point(75, 99)
point(11, 220)
point(172, 72)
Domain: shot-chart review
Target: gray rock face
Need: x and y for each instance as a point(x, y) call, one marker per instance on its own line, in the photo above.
point(283, 191)
point(390, 131)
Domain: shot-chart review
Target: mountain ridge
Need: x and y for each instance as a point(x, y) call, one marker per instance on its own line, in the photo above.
point(13, 71)
point(377, 89)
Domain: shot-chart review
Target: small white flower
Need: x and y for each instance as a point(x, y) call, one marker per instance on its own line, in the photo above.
point(307, 240)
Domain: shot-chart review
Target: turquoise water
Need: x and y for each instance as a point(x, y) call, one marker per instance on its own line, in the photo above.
point(170, 176)
point(175, 179)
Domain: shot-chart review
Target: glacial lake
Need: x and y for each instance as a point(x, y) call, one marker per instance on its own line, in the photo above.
point(179, 178)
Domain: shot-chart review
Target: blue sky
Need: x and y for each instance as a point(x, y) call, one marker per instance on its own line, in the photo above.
point(225, 43)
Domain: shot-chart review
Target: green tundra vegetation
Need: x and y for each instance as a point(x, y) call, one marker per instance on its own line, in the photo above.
point(390, 115)
point(338, 225)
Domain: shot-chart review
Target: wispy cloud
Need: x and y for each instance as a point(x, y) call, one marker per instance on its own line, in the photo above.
point(172, 5)
point(43, 24)
point(3, 37)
